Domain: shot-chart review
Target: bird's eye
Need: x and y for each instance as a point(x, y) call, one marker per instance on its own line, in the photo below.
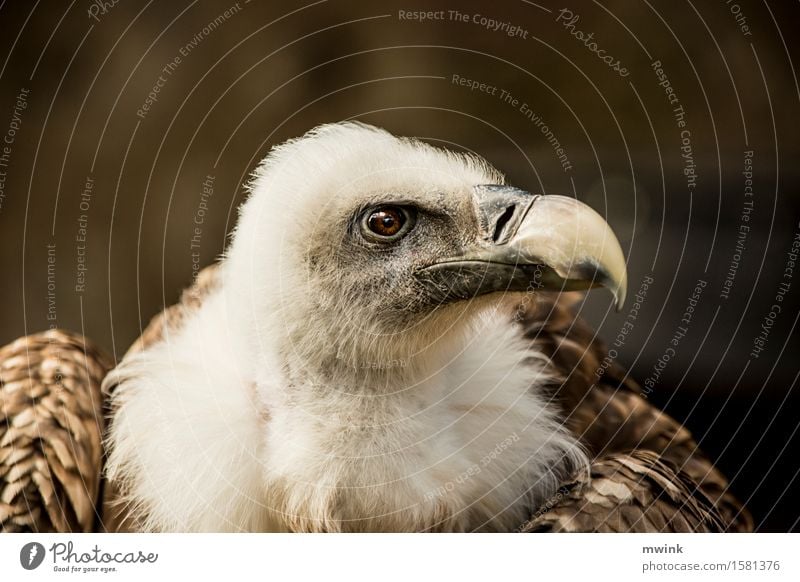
point(386, 223)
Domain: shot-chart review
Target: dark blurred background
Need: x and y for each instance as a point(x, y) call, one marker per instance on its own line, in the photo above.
point(74, 86)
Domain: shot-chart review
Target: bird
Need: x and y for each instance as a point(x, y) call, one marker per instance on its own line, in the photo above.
point(389, 343)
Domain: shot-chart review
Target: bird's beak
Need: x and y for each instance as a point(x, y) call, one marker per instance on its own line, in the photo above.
point(531, 242)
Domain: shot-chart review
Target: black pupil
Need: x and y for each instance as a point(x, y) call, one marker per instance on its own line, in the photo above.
point(386, 222)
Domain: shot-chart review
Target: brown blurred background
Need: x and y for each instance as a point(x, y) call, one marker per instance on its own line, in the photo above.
point(252, 74)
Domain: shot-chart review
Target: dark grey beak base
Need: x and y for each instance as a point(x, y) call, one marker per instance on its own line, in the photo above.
point(500, 211)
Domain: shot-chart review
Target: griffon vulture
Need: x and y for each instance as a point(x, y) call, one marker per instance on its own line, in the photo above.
point(383, 347)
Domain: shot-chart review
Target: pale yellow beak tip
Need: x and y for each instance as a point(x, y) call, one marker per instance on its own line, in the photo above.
point(576, 242)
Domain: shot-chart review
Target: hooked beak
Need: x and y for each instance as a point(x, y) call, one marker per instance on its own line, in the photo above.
point(527, 243)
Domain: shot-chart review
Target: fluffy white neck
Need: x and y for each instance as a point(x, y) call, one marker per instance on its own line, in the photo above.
point(207, 440)
point(460, 439)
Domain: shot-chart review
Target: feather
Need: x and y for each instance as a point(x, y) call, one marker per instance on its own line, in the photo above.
point(50, 432)
point(637, 492)
point(673, 485)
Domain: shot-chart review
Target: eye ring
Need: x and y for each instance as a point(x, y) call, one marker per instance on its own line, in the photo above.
point(387, 223)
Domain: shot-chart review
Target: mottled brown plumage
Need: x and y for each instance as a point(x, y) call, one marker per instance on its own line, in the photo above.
point(647, 473)
point(634, 492)
point(51, 422)
point(632, 441)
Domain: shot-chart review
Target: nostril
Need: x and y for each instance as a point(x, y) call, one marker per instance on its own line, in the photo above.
point(502, 222)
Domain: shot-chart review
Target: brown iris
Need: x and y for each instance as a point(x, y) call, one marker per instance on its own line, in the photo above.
point(386, 221)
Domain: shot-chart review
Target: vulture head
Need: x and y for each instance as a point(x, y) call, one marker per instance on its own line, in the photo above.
point(358, 250)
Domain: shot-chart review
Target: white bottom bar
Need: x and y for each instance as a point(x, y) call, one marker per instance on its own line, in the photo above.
point(411, 558)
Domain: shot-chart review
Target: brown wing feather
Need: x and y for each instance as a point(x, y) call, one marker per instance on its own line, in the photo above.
point(635, 492)
point(50, 432)
point(611, 416)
